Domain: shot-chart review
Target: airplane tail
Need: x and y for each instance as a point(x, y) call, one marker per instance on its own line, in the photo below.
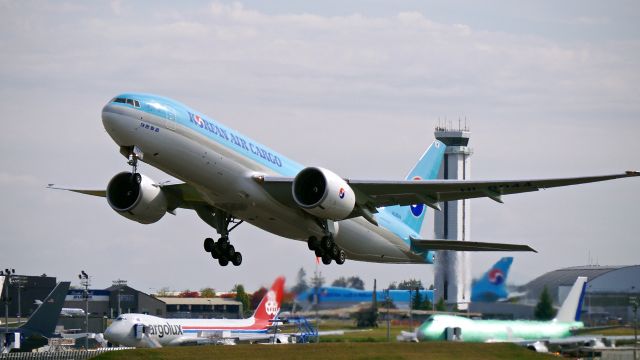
point(44, 320)
point(572, 306)
point(270, 304)
point(491, 286)
point(426, 169)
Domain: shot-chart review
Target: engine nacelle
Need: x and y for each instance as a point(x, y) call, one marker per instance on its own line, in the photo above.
point(324, 194)
point(136, 197)
point(538, 346)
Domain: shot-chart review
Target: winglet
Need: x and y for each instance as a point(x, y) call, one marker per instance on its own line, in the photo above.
point(632, 173)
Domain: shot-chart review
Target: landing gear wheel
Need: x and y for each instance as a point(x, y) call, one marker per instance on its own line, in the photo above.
point(326, 242)
point(208, 244)
point(214, 253)
point(326, 259)
point(236, 259)
point(223, 262)
point(313, 243)
point(340, 259)
point(319, 253)
point(231, 251)
point(222, 245)
point(334, 251)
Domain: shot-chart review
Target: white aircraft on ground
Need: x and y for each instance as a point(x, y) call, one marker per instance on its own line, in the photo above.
point(70, 312)
point(142, 330)
point(229, 178)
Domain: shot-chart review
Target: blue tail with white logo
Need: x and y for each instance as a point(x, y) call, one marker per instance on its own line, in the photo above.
point(426, 169)
point(491, 287)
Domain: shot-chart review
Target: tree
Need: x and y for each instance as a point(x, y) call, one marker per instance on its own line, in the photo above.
point(301, 286)
point(393, 286)
point(544, 309)
point(317, 280)
point(440, 305)
point(257, 296)
point(416, 304)
point(188, 294)
point(340, 282)
point(355, 282)
point(207, 292)
point(410, 284)
point(163, 292)
point(243, 297)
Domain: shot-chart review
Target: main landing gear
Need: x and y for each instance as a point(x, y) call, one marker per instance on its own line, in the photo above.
point(327, 249)
point(222, 249)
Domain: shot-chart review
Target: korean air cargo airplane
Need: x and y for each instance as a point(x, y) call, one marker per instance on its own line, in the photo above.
point(230, 178)
point(492, 286)
point(142, 330)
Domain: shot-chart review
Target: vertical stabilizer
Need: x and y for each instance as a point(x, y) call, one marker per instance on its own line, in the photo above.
point(426, 169)
point(572, 305)
point(270, 304)
point(492, 285)
point(44, 320)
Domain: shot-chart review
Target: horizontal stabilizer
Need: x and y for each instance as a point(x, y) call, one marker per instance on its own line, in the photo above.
point(457, 245)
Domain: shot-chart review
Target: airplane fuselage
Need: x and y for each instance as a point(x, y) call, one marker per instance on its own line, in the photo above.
point(221, 164)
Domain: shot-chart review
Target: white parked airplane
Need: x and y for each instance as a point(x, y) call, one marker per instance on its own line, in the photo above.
point(229, 178)
point(70, 312)
point(142, 330)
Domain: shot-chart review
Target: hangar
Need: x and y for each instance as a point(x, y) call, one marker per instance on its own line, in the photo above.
point(607, 295)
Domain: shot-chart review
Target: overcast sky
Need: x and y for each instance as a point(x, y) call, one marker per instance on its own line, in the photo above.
point(548, 88)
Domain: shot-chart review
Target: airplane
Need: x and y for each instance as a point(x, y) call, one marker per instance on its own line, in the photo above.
point(230, 179)
point(491, 287)
point(69, 312)
point(333, 297)
point(42, 323)
point(565, 324)
point(140, 330)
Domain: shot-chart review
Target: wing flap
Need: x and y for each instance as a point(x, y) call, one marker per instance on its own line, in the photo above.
point(457, 245)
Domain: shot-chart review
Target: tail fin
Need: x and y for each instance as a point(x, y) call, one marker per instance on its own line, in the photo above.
point(45, 318)
point(426, 169)
point(491, 286)
point(572, 305)
point(270, 304)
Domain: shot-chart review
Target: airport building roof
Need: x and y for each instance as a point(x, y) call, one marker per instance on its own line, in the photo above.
point(602, 279)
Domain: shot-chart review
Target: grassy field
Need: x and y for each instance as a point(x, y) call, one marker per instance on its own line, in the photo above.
point(336, 351)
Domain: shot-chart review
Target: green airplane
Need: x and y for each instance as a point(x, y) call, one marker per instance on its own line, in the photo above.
point(442, 327)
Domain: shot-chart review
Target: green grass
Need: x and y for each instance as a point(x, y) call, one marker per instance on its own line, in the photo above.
point(336, 351)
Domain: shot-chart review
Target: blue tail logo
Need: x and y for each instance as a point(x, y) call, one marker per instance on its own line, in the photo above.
point(491, 287)
point(426, 169)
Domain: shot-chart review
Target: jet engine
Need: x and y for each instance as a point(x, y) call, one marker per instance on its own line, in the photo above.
point(324, 194)
point(136, 197)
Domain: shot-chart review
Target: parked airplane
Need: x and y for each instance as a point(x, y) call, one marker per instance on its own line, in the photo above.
point(70, 312)
point(42, 323)
point(566, 322)
point(333, 297)
point(229, 178)
point(142, 330)
point(492, 286)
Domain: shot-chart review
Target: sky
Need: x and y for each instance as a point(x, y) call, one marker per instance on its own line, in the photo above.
point(549, 89)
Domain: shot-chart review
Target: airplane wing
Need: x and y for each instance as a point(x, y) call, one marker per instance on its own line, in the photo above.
point(179, 195)
point(374, 194)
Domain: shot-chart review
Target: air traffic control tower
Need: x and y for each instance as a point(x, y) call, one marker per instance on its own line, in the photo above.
point(452, 271)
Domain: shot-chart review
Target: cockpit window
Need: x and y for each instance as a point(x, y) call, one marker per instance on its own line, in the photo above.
point(132, 102)
point(120, 318)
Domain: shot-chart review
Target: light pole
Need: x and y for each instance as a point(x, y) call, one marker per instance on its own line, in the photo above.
point(85, 281)
point(19, 282)
point(634, 301)
point(119, 283)
point(7, 273)
point(433, 301)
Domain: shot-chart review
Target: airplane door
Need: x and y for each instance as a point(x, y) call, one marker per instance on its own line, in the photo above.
point(170, 123)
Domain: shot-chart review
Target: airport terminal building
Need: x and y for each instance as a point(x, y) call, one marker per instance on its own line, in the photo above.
point(607, 294)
